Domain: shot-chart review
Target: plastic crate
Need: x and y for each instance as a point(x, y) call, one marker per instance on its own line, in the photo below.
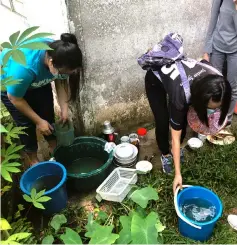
point(117, 185)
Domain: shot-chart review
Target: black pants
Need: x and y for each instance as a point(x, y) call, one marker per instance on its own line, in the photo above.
point(157, 98)
point(41, 101)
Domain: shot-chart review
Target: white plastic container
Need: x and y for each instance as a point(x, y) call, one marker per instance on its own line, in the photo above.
point(143, 167)
point(117, 185)
point(195, 143)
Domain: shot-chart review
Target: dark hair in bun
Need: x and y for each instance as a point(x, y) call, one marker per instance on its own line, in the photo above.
point(66, 54)
point(68, 38)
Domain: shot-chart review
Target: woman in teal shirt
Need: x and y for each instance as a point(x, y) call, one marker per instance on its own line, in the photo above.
point(30, 102)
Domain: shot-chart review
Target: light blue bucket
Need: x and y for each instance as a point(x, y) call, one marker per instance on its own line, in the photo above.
point(199, 231)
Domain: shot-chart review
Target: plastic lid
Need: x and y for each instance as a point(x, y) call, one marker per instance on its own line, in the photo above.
point(144, 166)
point(124, 150)
point(141, 131)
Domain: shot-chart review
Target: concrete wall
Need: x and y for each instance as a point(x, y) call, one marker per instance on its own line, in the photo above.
point(112, 35)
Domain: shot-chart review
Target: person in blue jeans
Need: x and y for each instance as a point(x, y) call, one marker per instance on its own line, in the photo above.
point(221, 43)
point(30, 102)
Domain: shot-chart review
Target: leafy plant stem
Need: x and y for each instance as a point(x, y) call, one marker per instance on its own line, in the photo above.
point(126, 207)
point(107, 221)
point(28, 210)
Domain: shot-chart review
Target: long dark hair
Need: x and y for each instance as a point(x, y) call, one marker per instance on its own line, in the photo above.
point(210, 87)
point(66, 53)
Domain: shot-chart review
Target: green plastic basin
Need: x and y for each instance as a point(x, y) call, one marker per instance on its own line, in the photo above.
point(86, 162)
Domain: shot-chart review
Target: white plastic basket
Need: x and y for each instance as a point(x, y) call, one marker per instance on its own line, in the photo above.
point(117, 185)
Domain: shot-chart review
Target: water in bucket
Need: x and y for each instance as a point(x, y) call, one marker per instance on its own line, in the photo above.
point(46, 183)
point(84, 165)
point(199, 210)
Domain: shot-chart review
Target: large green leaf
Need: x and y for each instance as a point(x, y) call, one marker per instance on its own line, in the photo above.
point(36, 45)
point(103, 235)
point(19, 236)
point(48, 240)
point(125, 234)
point(33, 193)
point(57, 221)
point(102, 216)
point(143, 230)
point(6, 45)
point(9, 242)
point(4, 225)
point(91, 226)
point(19, 57)
point(11, 157)
point(44, 199)
point(27, 198)
point(39, 194)
point(13, 132)
point(144, 195)
point(71, 237)
point(13, 164)
point(13, 148)
point(3, 129)
point(14, 37)
point(38, 35)
point(91, 229)
point(26, 33)
point(11, 169)
point(5, 174)
point(38, 205)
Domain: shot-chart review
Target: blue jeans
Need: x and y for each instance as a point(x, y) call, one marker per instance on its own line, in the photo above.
point(217, 59)
point(41, 101)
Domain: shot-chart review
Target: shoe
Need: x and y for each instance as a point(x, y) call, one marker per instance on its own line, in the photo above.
point(232, 219)
point(167, 162)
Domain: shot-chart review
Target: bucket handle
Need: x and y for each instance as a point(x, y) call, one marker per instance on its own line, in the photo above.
point(177, 208)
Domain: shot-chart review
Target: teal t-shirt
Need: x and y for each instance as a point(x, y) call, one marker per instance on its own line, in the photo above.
point(34, 74)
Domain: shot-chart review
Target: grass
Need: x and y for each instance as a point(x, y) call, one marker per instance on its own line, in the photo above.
point(214, 167)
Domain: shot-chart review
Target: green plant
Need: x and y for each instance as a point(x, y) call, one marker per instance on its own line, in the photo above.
point(143, 196)
point(37, 198)
point(139, 226)
point(11, 239)
point(13, 133)
point(10, 133)
point(19, 224)
point(9, 157)
point(68, 236)
point(14, 46)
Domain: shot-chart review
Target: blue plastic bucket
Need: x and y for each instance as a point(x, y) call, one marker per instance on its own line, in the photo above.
point(199, 231)
point(57, 193)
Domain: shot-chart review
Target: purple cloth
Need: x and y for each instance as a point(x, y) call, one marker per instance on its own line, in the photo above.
point(168, 51)
point(163, 53)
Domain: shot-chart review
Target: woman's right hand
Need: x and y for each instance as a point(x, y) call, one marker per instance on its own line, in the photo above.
point(177, 182)
point(44, 127)
point(206, 57)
